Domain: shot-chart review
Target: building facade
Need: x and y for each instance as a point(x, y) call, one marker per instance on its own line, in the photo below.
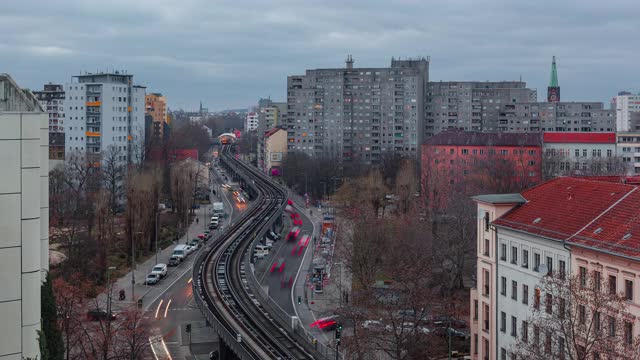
point(104, 110)
point(275, 149)
point(357, 114)
point(564, 226)
point(567, 153)
point(52, 100)
point(629, 148)
point(627, 107)
point(471, 105)
point(24, 218)
point(156, 108)
point(471, 160)
point(251, 122)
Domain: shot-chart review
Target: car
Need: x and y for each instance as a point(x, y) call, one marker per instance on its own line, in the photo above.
point(371, 324)
point(100, 314)
point(152, 279)
point(326, 324)
point(442, 331)
point(444, 321)
point(174, 261)
point(189, 249)
point(212, 226)
point(195, 243)
point(160, 269)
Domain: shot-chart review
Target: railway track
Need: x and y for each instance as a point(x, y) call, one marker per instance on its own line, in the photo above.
point(222, 288)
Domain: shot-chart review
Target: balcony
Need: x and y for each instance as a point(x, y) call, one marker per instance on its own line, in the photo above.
point(93, 103)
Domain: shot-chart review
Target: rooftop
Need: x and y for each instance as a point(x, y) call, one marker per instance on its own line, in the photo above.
point(580, 137)
point(476, 138)
point(500, 198)
point(15, 99)
point(597, 213)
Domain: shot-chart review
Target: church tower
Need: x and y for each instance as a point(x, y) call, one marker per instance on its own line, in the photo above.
point(553, 91)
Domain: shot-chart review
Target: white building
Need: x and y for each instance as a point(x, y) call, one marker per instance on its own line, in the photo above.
point(627, 111)
point(104, 110)
point(629, 148)
point(251, 122)
point(24, 218)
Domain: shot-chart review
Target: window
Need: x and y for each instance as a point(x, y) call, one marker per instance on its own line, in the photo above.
point(612, 326)
point(514, 255)
point(486, 283)
point(486, 317)
point(503, 286)
point(596, 322)
point(561, 348)
point(503, 321)
point(628, 333)
point(514, 326)
point(612, 285)
point(503, 354)
point(536, 262)
point(525, 294)
point(503, 252)
point(486, 221)
point(628, 290)
point(525, 259)
point(514, 290)
point(562, 304)
point(548, 303)
point(525, 331)
point(475, 309)
point(583, 276)
point(486, 247)
point(582, 314)
point(536, 334)
point(549, 265)
point(475, 344)
point(562, 268)
point(547, 342)
point(536, 298)
point(486, 349)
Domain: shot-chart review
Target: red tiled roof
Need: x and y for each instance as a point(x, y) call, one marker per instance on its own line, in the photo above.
point(476, 138)
point(562, 207)
point(580, 137)
point(271, 132)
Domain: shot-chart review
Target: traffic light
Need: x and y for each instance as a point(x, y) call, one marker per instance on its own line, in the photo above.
point(299, 299)
point(338, 332)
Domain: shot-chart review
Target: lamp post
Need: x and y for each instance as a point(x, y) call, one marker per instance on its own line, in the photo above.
point(157, 227)
point(109, 289)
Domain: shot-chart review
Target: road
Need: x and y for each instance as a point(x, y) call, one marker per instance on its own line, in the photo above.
point(173, 306)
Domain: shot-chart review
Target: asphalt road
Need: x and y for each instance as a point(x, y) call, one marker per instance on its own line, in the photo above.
point(287, 252)
point(173, 304)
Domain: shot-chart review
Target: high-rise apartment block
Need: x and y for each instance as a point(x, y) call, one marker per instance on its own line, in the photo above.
point(156, 108)
point(52, 100)
point(104, 110)
point(24, 218)
point(627, 107)
point(471, 105)
point(358, 114)
point(251, 121)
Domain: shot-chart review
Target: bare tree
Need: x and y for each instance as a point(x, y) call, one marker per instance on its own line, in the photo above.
point(183, 180)
point(405, 187)
point(576, 318)
point(114, 170)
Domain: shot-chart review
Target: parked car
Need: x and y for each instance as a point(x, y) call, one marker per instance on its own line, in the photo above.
point(160, 269)
point(442, 331)
point(152, 279)
point(174, 261)
point(195, 243)
point(99, 314)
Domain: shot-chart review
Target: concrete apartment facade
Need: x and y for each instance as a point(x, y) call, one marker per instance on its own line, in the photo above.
point(156, 108)
point(627, 107)
point(629, 148)
point(104, 110)
point(24, 218)
point(251, 121)
point(357, 114)
point(471, 105)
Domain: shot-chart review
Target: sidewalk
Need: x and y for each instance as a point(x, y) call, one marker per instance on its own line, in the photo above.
point(143, 269)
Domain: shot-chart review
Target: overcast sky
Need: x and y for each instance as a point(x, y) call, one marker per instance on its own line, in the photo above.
point(230, 53)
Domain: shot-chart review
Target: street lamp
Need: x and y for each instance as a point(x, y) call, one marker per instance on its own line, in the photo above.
point(157, 227)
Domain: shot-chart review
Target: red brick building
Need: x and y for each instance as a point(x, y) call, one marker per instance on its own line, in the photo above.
point(478, 162)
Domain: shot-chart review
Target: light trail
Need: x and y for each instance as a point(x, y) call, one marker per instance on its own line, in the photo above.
point(158, 309)
point(166, 310)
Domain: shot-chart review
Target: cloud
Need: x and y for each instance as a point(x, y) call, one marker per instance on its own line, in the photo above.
point(230, 53)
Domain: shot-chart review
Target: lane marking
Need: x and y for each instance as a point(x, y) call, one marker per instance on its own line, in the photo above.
point(158, 309)
point(169, 287)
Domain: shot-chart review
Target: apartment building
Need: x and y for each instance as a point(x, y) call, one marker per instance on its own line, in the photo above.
point(629, 148)
point(24, 218)
point(104, 110)
point(567, 153)
point(561, 226)
point(275, 149)
point(357, 114)
point(471, 105)
point(627, 107)
point(251, 121)
point(156, 108)
point(51, 99)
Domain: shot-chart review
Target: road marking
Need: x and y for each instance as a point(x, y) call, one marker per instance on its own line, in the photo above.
point(167, 308)
point(168, 287)
point(158, 309)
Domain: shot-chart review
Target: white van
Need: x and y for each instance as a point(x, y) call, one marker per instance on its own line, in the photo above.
point(180, 251)
point(261, 251)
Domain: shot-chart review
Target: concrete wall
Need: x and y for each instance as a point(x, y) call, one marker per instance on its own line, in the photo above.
point(24, 229)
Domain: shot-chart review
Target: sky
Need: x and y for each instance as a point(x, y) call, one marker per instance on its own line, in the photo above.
point(228, 54)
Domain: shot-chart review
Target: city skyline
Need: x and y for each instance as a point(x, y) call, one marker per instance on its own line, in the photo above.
point(229, 55)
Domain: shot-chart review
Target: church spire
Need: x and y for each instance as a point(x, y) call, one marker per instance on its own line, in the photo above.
point(553, 91)
point(554, 74)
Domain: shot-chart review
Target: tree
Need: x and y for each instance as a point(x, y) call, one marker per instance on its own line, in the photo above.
point(576, 318)
point(405, 187)
point(50, 335)
point(191, 136)
point(132, 335)
point(114, 171)
point(71, 300)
